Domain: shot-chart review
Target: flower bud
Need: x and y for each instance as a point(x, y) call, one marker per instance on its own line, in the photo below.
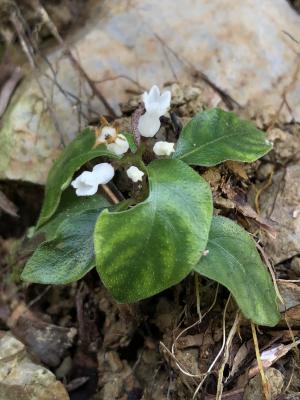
point(135, 174)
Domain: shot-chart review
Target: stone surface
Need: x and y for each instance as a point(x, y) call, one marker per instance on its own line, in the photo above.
point(254, 390)
point(280, 203)
point(21, 378)
point(286, 145)
point(127, 46)
point(290, 293)
point(295, 265)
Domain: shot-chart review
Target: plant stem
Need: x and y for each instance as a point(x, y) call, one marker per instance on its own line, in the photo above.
point(110, 194)
point(265, 383)
point(197, 285)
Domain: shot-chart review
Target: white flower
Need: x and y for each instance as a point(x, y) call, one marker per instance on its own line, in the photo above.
point(104, 172)
point(149, 124)
point(163, 148)
point(108, 133)
point(119, 146)
point(134, 174)
point(156, 105)
point(86, 184)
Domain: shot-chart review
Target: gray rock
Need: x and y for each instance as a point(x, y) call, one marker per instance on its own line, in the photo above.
point(21, 378)
point(254, 390)
point(245, 52)
point(280, 203)
point(295, 265)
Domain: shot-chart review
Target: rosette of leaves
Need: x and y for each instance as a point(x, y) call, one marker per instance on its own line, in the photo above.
point(141, 250)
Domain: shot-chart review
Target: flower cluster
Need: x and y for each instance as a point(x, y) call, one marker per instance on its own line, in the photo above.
point(156, 105)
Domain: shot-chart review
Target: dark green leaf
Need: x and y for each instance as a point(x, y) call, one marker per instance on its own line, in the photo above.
point(214, 136)
point(69, 206)
point(76, 154)
point(234, 262)
point(69, 255)
point(154, 245)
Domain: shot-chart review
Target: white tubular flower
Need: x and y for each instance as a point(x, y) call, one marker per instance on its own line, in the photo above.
point(85, 184)
point(103, 173)
point(156, 105)
point(149, 124)
point(163, 148)
point(135, 174)
point(119, 146)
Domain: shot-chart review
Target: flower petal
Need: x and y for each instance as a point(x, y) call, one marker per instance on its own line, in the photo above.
point(85, 184)
point(149, 124)
point(163, 148)
point(107, 132)
point(120, 145)
point(103, 173)
point(86, 190)
point(165, 101)
point(151, 97)
point(135, 174)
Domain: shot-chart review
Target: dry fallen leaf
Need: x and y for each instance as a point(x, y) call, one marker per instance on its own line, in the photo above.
point(270, 356)
point(237, 169)
point(8, 206)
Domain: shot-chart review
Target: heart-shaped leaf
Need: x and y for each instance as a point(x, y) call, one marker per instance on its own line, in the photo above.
point(214, 136)
point(154, 245)
point(69, 206)
point(234, 262)
point(76, 154)
point(69, 255)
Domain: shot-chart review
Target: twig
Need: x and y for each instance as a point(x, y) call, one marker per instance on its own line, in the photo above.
point(185, 372)
point(219, 353)
point(260, 190)
point(36, 299)
point(178, 362)
point(262, 252)
point(135, 122)
point(291, 377)
point(113, 78)
point(8, 88)
point(8, 206)
point(197, 285)
point(231, 335)
point(265, 383)
point(295, 347)
point(228, 100)
point(110, 194)
point(291, 37)
point(51, 26)
point(16, 19)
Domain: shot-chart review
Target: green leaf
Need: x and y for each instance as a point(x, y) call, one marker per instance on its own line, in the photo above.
point(234, 262)
point(130, 139)
point(69, 255)
point(214, 136)
point(76, 154)
point(70, 205)
point(154, 245)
